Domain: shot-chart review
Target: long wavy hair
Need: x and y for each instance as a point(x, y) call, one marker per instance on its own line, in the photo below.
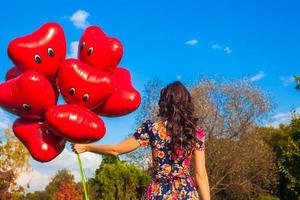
point(176, 107)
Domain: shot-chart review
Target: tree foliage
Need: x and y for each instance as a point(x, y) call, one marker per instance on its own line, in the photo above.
point(14, 159)
point(7, 179)
point(229, 109)
point(61, 176)
point(240, 164)
point(68, 191)
point(117, 179)
point(149, 107)
point(37, 195)
point(148, 110)
point(285, 141)
point(61, 187)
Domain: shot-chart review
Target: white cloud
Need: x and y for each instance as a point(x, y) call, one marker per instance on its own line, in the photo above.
point(73, 49)
point(227, 50)
point(178, 77)
point(282, 118)
point(34, 180)
point(41, 173)
point(79, 19)
point(216, 46)
point(192, 42)
point(68, 159)
point(257, 77)
point(287, 80)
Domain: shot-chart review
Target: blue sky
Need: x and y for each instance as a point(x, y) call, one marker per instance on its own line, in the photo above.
point(178, 40)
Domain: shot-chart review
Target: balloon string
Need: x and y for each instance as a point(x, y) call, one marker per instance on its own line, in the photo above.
point(82, 178)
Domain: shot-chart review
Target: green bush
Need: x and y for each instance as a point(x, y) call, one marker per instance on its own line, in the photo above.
point(117, 179)
point(289, 161)
point(286, 142)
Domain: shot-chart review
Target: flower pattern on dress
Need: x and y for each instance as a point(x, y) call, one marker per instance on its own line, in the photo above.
point(171, 178)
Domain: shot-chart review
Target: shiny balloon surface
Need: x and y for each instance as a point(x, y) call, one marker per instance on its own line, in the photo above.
point(125, 98)
point(83, 85)
point(28, 95)
point(41, 51)
point(42, 144)
point(99, 50)
point(75, 123)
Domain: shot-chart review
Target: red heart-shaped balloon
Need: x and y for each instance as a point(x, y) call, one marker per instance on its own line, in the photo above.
point(15, 72)
point(124, 100)
point(41, 51)
point(99, 50)
point(75, 123)
point(83, 85)
point(42, 144)
point(28, 95)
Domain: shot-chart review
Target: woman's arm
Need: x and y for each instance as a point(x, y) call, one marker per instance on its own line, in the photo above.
point(126, 146)
point(201, 175)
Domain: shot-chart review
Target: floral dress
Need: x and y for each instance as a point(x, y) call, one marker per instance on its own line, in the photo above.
point(171, 179)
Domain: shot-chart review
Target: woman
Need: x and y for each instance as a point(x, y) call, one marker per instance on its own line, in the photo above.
point(174, 140)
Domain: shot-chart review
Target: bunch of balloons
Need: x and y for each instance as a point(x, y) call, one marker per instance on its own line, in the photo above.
point(91, 85)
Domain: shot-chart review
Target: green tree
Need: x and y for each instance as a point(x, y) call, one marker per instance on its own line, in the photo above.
point(285, 141)
point(116, 179)
point(37, 195)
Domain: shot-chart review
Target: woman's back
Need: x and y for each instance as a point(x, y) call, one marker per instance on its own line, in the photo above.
point(171, 179)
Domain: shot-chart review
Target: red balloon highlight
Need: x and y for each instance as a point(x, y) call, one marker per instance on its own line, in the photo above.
point(41, 51)
point(28, 95)
point(125, 98)
point(41, 143)
point(98, 50)
point(83, 85)
point(75, 123)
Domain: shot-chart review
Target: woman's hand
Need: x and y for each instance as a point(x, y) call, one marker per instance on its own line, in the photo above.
point(80, 148)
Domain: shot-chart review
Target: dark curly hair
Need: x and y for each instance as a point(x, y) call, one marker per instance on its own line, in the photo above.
point(177, 108)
